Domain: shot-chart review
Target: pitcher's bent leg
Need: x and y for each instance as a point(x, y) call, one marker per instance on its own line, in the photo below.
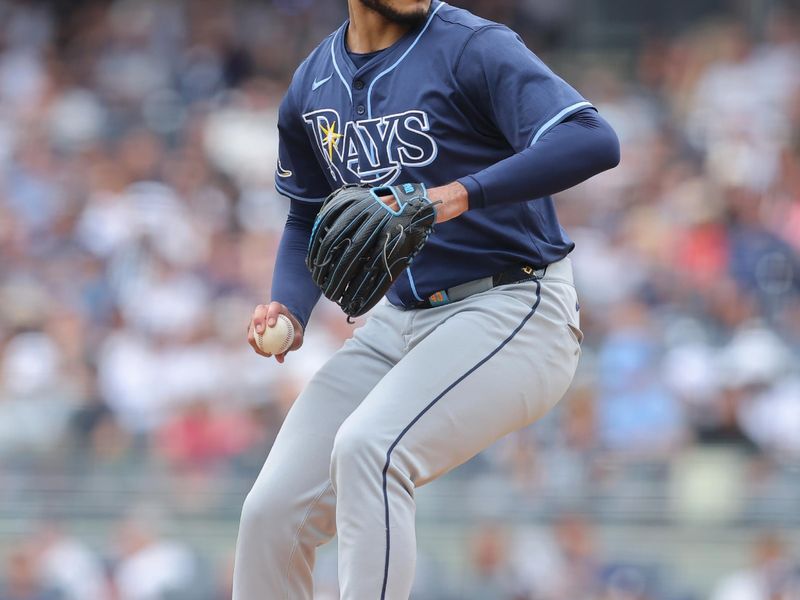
point(492, 368)
point(290, 510)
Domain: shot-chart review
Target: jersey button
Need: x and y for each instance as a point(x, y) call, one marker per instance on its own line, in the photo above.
point(358, 84)
point(360, 109)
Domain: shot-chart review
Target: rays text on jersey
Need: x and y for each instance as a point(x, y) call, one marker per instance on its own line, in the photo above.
point(372, 150)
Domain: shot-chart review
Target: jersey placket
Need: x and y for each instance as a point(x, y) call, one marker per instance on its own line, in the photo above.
point(359, 90)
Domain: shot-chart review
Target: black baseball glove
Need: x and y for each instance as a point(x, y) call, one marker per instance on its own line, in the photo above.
point(359, 244)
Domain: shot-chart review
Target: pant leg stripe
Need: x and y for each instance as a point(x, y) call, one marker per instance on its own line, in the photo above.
point(425, 410)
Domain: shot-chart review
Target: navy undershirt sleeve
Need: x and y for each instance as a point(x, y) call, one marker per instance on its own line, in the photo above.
point(292, 285)
point(576, 149)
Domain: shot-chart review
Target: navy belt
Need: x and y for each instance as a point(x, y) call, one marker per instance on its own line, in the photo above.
point(476, 286)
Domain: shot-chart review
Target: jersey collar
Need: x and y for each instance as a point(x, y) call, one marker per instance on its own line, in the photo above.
point(388, 61)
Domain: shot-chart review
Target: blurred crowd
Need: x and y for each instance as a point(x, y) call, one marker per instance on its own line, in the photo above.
point(139, 225)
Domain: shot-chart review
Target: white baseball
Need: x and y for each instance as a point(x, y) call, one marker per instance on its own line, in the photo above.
point(277, 339)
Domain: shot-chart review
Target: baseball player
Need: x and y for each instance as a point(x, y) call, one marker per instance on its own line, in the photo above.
point(478, 338)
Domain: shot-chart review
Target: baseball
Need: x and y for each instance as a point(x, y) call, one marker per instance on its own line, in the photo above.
point(277, 339)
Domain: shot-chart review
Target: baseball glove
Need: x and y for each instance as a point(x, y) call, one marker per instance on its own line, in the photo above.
point(359, 244)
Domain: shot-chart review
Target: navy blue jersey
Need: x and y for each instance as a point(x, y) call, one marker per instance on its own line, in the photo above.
point(447, 100)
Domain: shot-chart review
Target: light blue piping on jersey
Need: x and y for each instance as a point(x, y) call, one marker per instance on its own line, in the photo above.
point(336, 67)
point(284, 192)
point(399, 60)
point(413, 287)
point(557, 119)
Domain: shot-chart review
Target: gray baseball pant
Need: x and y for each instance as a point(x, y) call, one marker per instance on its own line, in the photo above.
point(411, 396)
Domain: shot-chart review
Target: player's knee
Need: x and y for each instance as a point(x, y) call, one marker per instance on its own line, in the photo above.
point(275, 520)
point(354, 449)
point(263, 508)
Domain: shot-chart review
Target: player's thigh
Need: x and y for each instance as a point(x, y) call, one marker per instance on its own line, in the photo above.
point(495, 365)
point(298, 463)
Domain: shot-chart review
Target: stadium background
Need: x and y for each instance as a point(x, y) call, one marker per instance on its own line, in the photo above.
point(138, 226)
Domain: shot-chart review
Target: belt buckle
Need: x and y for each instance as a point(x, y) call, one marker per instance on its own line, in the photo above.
point(534, 273)
point(438, 298)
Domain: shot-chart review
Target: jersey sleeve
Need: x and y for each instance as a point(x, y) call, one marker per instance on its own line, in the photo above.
point(511, 85)
point(298, 174)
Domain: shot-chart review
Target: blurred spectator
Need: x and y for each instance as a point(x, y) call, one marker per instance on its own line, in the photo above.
point(34, 402)
point(200, 439)
point(637, 413)
point(66, 565)
point(774, 574)
point(21, 580)
point(490, 573)
point(630, 582)
point(564, 565)
point(151, 567)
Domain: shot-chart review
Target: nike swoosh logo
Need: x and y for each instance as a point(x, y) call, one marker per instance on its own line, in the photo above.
point(317, 84)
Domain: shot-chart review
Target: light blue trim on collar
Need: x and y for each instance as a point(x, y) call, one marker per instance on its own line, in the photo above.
point(411, 281)
point(557, 119)
point(399, 60)
point(336, 66)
